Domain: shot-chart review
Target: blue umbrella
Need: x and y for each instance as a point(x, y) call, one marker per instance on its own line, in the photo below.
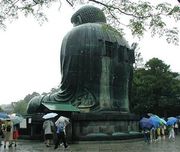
point(171, 121)
point(155, 121)
point(3, 116)
point(146, 123)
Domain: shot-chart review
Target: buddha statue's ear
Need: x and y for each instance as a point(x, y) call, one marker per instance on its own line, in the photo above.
point(77, 21)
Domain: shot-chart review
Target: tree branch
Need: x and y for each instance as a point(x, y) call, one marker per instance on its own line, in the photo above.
point(69, 3)
point(10, 7)
point(113, 16)
point(110, 6)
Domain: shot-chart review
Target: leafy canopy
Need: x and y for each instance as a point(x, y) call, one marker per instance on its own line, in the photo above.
point(138, 17)
point(155, 89)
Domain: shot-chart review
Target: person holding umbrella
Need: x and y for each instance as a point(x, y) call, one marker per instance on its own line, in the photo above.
point(170, 123)
point(176, 128)
point(63, 119)
point(171, 132)
point(61, 124)
point(16, 120)
point(1, 132)
point(47, 126)
point(48, 132)
point(8, 132)
point(146, 125)
point(15, 134)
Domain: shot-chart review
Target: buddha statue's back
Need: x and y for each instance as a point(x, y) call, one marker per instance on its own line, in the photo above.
point(96, 66)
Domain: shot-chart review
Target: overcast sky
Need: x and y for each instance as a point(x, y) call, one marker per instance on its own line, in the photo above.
point(29, 54)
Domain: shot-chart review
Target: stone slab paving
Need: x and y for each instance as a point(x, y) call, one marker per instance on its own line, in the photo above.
point(135, 145)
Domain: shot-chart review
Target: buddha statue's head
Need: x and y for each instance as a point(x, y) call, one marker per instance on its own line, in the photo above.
point(88, 14)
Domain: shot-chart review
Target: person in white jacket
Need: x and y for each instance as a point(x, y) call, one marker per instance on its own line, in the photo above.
point(171, 132)
point(48, 132)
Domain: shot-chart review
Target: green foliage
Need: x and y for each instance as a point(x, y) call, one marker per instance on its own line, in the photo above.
point(10, 10)
point(20, 107)
point(137, 27)
point(1, 110)
point(30, 96)
point(138, 60)
point(106, 27)
point(137, 16)
point(142, 16)
point(155, 89)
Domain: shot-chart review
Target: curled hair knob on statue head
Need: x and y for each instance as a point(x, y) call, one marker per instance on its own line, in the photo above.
point(88, 14)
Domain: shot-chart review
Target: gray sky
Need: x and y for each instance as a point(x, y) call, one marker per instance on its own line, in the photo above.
point(29, 54)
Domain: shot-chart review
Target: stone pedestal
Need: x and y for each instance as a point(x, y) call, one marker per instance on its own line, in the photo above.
point(104, 126)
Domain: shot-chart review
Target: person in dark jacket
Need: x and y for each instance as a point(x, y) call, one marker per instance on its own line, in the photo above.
point(60, 135)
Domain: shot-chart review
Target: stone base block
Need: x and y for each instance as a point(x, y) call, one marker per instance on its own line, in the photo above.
point(105, 126)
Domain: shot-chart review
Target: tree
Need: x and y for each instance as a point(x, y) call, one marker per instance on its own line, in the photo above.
point(1, 110)
point(20, 107)
point(30, 96)
point(155, 89)
point(139, 63)
point(139, 16)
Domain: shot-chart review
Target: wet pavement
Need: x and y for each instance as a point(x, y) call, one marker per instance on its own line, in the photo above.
point(134, 145)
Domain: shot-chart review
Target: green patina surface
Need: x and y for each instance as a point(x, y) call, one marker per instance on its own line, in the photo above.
point(56, 106)
point(96, 67)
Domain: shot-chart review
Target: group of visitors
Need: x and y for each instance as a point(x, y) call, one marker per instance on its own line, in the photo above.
point(55, 132)
point(9, 132)
point(159, 133)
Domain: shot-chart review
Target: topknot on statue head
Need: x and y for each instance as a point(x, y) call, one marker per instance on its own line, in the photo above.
point(88, 14)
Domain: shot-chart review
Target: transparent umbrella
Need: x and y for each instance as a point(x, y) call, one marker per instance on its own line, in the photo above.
point(163, 122)
point(50, 115)
point(16, 118)
point(63, 119)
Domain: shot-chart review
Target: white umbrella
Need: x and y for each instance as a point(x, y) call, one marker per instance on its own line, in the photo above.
point(16, 118)
point(50, 115)
point(63, 119)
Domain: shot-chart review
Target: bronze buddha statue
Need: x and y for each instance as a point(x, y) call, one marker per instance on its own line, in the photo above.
point(96, 66)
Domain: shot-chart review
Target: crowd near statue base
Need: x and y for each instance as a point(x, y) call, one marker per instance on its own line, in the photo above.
point(99, 126)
